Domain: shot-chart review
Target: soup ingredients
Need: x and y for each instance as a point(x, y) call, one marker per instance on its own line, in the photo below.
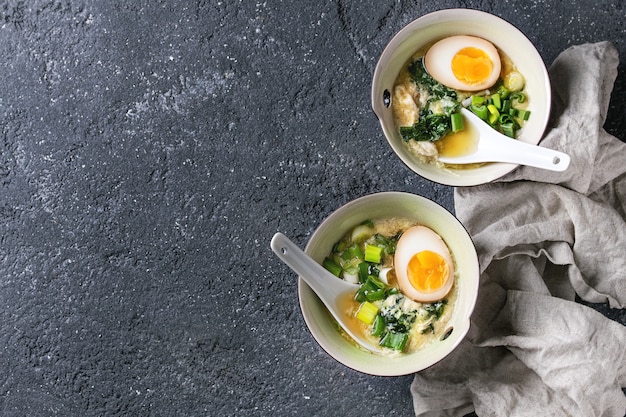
point(426, 103)
point(392, 318)
point(500, 110)
point(399, 317)
point(438, 104)
point(464, 63)
point(423, 265)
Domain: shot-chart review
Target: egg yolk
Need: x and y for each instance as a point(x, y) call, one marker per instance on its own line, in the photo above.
point(471, 65)
point(427, 271)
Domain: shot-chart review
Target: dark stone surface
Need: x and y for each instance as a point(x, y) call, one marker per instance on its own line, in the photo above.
point(149, 151)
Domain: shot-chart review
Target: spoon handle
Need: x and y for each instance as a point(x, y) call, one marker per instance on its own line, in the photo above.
point(328, 287)
point(535, 156)
point(323, 283)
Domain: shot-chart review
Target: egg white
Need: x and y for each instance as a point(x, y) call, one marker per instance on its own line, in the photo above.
point(438, 61)
point(414, 240)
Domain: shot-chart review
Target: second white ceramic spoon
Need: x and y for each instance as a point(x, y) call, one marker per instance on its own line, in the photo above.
point(328, 287)
point(496, 147)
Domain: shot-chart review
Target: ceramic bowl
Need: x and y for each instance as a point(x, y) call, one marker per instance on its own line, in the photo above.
point(432, 27)
point(389, 204)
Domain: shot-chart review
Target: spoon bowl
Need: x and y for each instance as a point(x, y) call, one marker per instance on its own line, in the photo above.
point(493, 146)
point(330, 289)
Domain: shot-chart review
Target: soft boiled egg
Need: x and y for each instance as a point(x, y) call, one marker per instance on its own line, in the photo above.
point(423, 265)
point(466, 63)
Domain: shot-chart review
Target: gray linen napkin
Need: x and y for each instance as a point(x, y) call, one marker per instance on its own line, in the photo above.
point(542, 238)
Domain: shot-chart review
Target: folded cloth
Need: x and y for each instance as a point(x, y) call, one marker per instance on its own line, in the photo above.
point(543, 238)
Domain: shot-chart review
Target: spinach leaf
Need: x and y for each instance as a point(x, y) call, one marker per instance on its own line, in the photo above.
point(430, 127)
point(422, 77)
point(436, 309)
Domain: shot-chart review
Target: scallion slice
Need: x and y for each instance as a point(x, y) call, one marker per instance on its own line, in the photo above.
point(371, 290)
point(393, 340)
point(519, 96)
point(456, 121)
point(332, 266)
point(495, 99)
point(508, 129)
point(364, 270)
point(493, 114)
point(352, 252)
point(378, 327)
point(523, 114)
point(367, 312)
point(478, 100)
point(480, 111)
point(361, 233)
point(506, 106)
point(373, 253)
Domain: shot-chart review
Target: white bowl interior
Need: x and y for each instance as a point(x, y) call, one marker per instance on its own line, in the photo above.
point(435, 26)
point(389, 204)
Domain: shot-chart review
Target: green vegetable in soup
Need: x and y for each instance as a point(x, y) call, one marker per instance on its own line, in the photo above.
point(390, 316)
point(501, 110)
point(422, 77)
point(440, 115)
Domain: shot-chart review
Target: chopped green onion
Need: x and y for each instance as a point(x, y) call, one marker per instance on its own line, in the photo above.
point(480, 111)
point(456, 120)
point(498, 109)
point(520, 97)
point(352, 252)
point(392, 291)
point(508, 129)
point(478, 100)
point(523, 114)
point(332, 266)
point(393, 340)
point(503, 91)
point(493, 114)
point(351, 274)
point(505, 118)
point(495, 99)
point(367, 312)
point(375, 295)
point(378, 327)
point(373, 253)
point(514, 81)
point(506, 106)
point(388, 244)
point(364, 270)
point(371, 290)
point(361, 233)
point(339, 247)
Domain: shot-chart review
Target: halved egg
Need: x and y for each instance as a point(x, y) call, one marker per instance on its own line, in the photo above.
point(466, 63)
point(423, 265)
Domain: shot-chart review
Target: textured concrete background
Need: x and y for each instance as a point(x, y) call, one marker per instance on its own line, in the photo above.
point(148, 152)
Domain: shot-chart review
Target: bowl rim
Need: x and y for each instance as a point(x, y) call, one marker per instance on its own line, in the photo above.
point(357, 358)
point(489, 172)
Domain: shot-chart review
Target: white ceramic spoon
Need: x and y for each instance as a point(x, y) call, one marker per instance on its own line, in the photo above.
point(496, 147)
point(328, 287)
